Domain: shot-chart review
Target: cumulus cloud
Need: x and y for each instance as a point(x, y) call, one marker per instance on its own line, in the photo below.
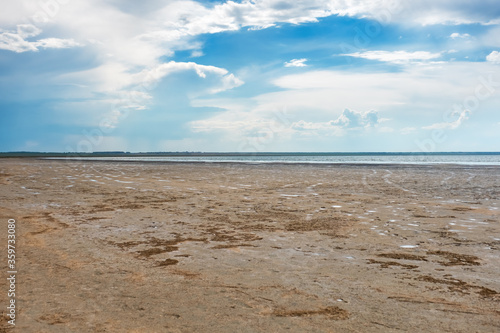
point(494, 57)
point(398, 57)
point(349, 119)
point(296, 63)
point(15, 41)
point(354, 119)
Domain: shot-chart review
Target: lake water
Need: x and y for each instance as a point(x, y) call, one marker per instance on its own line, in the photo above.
point(492, 159)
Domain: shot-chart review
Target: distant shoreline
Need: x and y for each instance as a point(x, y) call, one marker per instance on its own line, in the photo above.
point(222, 154)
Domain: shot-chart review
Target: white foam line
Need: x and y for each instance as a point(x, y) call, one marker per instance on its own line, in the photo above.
point(408, 246)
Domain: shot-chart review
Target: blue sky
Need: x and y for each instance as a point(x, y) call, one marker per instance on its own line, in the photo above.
point(255, 76)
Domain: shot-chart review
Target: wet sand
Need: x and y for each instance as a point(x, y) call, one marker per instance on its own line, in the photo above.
point(179, 247)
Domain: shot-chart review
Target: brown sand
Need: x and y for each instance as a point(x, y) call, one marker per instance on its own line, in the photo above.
point(162, 247)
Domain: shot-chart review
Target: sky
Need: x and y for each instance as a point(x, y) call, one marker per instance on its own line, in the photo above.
point(250, 76)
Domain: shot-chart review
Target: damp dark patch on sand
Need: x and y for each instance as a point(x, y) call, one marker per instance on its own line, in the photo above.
point(156, 250)
point(456, 285)
point(231, 246)
point(331, 225)
point(131, 206)
point(456, 259)
point(55, 318)
point(332, 312)
point(223, 235)
point(167, 262)
point(155, 245)
point(403, 256)
point(101, 208)
point(388, 264)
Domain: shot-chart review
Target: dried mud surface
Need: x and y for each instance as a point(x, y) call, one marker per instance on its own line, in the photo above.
point(166, 247)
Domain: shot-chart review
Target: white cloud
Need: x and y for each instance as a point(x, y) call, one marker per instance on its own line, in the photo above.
point(28, 30)
point(456, 35)
point(354, 119)
point(399, 57)
point(228, 82)
point(447, 12)
point(463, 116)
point(196, 54)
point(149, 78)
point(493, 57)
point(160, 71)
point(56, 43)
point(347, 120)
point(15, 41)
point(296, 63)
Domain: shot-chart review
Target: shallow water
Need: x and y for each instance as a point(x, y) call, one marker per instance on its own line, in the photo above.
point(449, 158)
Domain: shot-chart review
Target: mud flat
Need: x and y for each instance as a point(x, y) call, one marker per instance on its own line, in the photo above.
point(166, 247)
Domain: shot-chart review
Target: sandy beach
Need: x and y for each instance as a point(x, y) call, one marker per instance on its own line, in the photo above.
point(197, 247)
